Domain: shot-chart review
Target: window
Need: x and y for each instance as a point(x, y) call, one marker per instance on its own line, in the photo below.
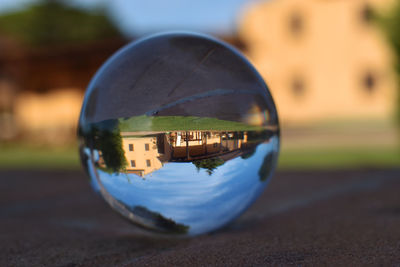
point(130, 147)
point(298, 87)
point(296, 23)
point(146, 147)
point(148, 163)
point(369, 81)
point(367, 14)
point(133, 163)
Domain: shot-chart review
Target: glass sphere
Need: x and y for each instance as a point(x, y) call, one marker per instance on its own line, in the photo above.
point(179, 133)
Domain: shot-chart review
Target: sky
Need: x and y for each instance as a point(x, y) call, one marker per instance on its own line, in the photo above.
point(139, 17)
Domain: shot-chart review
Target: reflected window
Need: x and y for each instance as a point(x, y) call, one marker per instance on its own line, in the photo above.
point(130, 147)
point(133, 163)
point(369, 82)
point(148, 163)
point(146, 147)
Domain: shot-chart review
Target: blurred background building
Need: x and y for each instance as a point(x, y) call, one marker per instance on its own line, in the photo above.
point(326, 62)
point(323, 60)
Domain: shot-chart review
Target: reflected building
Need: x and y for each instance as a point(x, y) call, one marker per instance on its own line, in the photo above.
point(194, 145)
point(147, 153)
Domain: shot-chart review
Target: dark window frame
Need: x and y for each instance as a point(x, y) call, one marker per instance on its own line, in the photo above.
point(369, 81)
point(296, 23)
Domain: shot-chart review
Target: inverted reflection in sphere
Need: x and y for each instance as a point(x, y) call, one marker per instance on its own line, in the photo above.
point(179, 133)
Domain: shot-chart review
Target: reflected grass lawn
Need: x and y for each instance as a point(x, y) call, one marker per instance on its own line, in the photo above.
point(181, 123)
point(21, 156)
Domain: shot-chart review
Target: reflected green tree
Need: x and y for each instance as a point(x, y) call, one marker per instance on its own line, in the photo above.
point(267, 166)
point(248, 154)
point(209, 164)
point(160, 222)
point(105, 137)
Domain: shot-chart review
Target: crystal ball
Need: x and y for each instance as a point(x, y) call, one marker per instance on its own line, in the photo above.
point(178, 133)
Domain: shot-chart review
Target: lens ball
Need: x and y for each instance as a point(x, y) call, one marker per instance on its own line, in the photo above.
point(178, 133)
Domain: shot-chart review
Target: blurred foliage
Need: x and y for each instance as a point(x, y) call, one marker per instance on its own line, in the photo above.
point(390, 23)
point(49, 22)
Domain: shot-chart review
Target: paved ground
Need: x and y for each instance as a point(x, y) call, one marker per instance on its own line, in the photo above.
point(303, 218)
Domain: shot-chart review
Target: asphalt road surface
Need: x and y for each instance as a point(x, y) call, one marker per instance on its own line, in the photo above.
point(303, 218)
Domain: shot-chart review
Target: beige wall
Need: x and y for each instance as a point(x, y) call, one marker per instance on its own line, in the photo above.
point(329, 57)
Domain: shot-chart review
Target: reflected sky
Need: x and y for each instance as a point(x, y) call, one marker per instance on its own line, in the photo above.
point(193, 197)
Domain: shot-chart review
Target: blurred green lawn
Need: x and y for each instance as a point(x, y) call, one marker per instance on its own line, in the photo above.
point(339, 158)
point(19, 156)
point(23, 156)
